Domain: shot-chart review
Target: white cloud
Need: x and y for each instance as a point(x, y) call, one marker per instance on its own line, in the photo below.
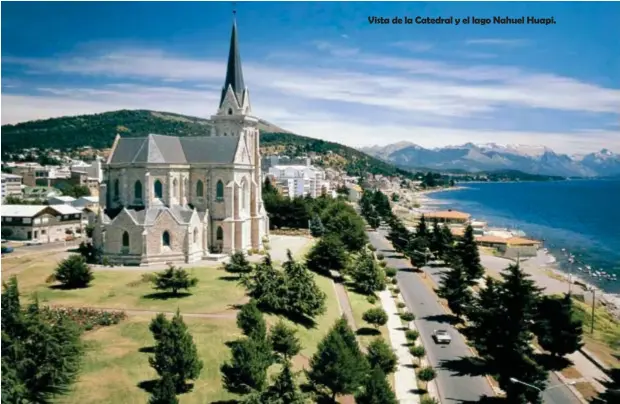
point(355, 98)
point(497, 41)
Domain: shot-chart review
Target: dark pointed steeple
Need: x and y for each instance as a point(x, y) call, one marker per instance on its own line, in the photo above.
point(234, 74)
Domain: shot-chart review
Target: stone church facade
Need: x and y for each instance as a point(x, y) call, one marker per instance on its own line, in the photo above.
point(184, 199)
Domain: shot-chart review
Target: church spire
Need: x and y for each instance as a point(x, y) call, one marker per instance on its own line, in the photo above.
point(234, 74)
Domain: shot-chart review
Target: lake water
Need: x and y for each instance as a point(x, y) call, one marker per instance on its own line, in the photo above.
point(582, 217)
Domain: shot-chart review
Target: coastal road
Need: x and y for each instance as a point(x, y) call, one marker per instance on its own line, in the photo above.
point(453, 385)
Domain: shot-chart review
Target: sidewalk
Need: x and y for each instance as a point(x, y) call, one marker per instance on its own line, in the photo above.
point(404, 377)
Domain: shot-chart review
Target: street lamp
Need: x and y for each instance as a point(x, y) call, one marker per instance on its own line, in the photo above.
point(512, 379)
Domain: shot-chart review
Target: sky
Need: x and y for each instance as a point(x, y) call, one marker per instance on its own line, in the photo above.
point(322, 70)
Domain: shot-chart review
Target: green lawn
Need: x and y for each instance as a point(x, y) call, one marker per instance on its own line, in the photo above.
point(605, 342)
point(128, 290)
point(114, 367)
point(359, 305)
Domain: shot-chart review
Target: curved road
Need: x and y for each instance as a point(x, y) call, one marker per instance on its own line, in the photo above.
point(456, 384)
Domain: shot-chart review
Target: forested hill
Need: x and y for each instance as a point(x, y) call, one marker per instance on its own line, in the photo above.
point(99, 130)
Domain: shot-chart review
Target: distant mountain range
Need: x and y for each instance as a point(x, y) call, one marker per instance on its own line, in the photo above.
point(489, 157)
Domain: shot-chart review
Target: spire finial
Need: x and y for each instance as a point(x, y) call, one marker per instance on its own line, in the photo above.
point(234, 8)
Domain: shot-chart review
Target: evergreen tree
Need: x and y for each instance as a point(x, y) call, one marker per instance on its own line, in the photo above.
point(303, 296)
point(316, 226)
point(341, 327)
point(159, 325)
point(373, 219)
point(250, 320)
point(284, 341)
point(486, 308)
point(421, 230)
point(376, 390)
point(399, 235)
point(469, 255)
point(448, 239)
point(557, 331)
point(343, 222)
point(368, 276)
point(284, 390)
point(247, 369)
point(238, 264)
point(74, 272)
point(328, 254)
point(268, 286)
point(176, 354)
point(164, 391)
point(455, 290)
point(174, 279)
point(418, 251)
point(380, 354)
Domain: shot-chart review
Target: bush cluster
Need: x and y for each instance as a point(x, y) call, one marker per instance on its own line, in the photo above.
point(86, 318)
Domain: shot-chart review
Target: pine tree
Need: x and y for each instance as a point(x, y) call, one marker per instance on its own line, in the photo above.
point(376, 390)
point(238, 264)
point(338, 365)
point(174, 279)
point(455, 290)
point(250, 320)
point(164, 391)
point(422, 229)
point(176, 354)
point(328, 254)
point(247, 369)
point(284, 390)
point(74, 272)
point(316, 226)
point(380, 354)
point(159, 325)
point(303, 296)
point(448, 238)
point(469, 255)
point(268, 286)
point(557, 331)
point(368, 277)
point(284, 341)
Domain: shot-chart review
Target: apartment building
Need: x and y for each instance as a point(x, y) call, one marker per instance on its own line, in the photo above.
point(41, 222)
point(11, 185)
point(300, 180)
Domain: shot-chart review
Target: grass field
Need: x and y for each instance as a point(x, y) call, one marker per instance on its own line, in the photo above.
point(128, 290)
point(605, 341)
point(359, 305)
point(114, 366)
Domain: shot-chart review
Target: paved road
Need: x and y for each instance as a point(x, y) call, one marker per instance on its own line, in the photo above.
point(454, 387)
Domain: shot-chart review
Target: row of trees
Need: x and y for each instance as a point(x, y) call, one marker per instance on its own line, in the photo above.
point(504, 318)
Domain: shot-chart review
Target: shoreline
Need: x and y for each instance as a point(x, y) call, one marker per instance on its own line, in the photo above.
point(548, 268)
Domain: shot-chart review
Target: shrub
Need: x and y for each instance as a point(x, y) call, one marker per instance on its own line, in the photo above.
point(396, 290)
point(376, 316)
point(380, 257)
point(428, 400)
point(74, 272)
point(382, 264)
point(412, 335)
point(418, 351)
point(372, 247)
point(394, 281)
point(407, 316)
point(372, 299)
point(174, 279)
point(426, 374)
point(380, 354)
point(401, 305)
point(391, 272)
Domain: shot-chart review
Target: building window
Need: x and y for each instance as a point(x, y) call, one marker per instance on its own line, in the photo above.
point(219, 234)
point(159, 189)
point(175, 188)
point(244, 196)
point(117, 189)
point(165, 239)
point(199, 189)
point(26, 220)
point(125, 248)
point(137, 191)
point(219, 190)
point(229, 111)
point(195, 236)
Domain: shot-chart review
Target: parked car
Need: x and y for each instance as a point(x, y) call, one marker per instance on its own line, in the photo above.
point(33, 242)
point(441, 337)
point(7, 250)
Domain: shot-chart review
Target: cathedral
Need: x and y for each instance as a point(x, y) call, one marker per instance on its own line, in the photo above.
point(185, 199)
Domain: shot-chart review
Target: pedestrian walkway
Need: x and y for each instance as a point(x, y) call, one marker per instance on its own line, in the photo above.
point(405, 384)
point(345, 305)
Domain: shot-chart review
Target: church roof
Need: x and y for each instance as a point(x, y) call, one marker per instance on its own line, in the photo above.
point(175, 150)
point(234, 73)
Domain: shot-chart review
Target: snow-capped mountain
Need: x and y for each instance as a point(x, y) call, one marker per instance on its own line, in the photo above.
point(492, 156)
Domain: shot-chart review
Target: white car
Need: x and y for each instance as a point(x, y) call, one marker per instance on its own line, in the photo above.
point(33, 242)
point(441, 337)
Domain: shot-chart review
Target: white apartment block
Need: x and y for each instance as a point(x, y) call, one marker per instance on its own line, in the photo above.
point(11, 185)
point(301, 180)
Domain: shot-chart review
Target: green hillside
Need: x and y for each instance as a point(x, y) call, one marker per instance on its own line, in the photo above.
point(99, 130)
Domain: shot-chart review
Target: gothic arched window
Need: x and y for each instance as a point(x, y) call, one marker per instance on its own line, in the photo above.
point(117, 189)
point(159, 189)
point(219, 190)
point(219, 234)
point(229, 111)
point(195, 235)
point(244, 195)
point(125, 240)
point(165, 239)
point(175, 188)
point(199, 189)
point(137, 191)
